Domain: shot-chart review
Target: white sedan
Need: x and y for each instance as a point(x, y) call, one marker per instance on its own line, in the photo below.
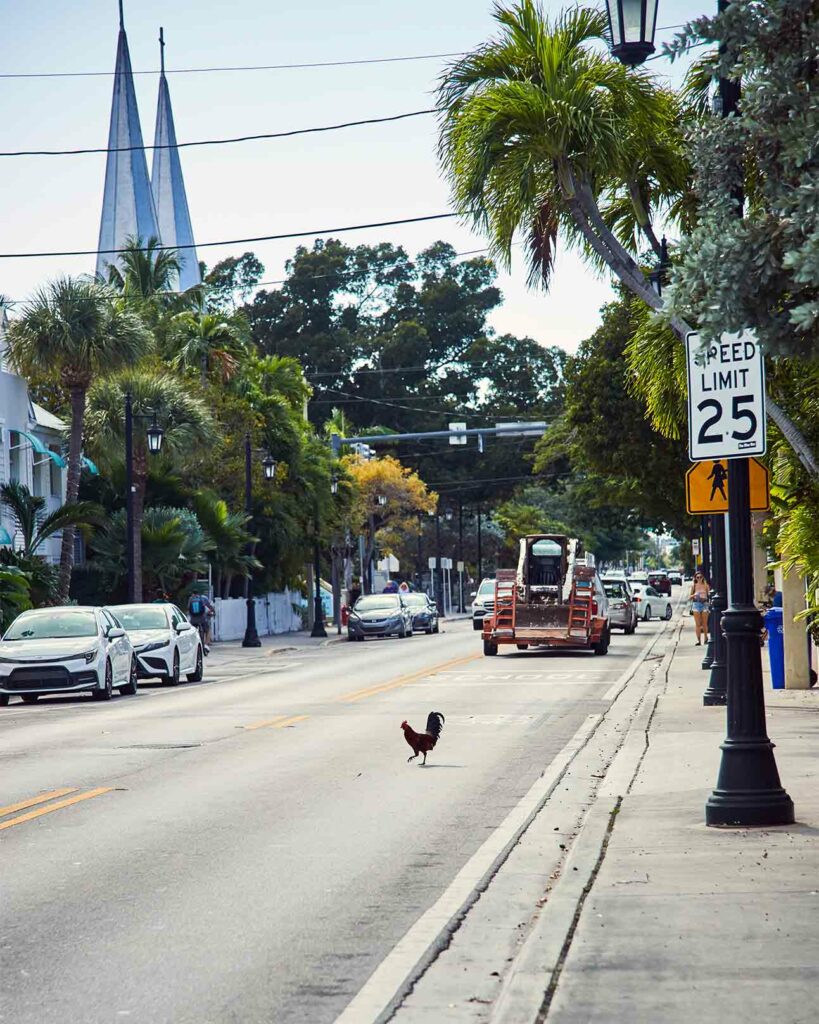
point(66, 650)
point(651, 604)
point(167, 645)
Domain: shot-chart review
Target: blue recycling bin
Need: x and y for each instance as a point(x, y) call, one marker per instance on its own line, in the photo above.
point(776, 646)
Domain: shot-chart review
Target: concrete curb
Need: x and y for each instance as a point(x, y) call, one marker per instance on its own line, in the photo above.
point(533, 977)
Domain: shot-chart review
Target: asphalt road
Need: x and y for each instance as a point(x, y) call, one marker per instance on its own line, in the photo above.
point(250, 848)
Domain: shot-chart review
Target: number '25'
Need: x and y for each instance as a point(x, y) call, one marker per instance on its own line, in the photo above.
point(737, 413)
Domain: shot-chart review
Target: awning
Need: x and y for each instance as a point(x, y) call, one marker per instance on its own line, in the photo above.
point(42, 449)
point(89, 465)
point(5, 536)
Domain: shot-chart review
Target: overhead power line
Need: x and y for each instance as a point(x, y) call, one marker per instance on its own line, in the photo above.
point(236, 67)
point(220, 142)
point(231, 241)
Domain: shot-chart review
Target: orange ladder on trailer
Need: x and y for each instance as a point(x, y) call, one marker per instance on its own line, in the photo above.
point(506, 589)
point(580, 601)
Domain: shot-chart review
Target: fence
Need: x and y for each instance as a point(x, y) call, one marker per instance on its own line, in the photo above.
point(275, 613)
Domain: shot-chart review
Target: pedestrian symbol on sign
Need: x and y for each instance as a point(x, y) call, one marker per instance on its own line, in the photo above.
point(718, 476)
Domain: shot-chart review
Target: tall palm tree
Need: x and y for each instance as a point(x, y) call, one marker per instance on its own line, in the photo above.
point(33, 527)
point(206, 341)
point(187, 424)
point(230, 536)
point(78, 328)
point(537, 125)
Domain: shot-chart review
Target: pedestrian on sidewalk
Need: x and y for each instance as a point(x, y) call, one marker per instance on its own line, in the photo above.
point(700, 597)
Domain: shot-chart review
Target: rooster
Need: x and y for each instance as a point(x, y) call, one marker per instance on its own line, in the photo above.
point(423, 742)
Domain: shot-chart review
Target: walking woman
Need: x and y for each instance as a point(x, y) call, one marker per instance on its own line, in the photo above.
point(699, 596)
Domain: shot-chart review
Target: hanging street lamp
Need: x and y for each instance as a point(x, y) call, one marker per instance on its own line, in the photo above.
point(251, 637)
point(631, 26)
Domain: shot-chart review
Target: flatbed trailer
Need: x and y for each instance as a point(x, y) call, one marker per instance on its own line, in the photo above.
point(530, 608)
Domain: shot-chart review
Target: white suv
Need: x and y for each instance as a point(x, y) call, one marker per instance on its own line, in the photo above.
point(483, 603)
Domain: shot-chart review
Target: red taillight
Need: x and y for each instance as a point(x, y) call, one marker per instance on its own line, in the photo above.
point(594, 606)
point(637, 599)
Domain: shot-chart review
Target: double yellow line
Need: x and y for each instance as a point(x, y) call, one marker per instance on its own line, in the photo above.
point(279, 722)
point(43, 798)
point(412, 677)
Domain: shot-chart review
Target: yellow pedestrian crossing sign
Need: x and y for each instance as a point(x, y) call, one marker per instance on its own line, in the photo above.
point(706, 487)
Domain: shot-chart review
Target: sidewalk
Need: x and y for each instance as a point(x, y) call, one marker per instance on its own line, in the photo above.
point(684, 923)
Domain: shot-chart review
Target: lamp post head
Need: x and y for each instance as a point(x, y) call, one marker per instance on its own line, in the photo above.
point(269, 466)
point(155, 437)
point(381, 500)
point(631, 27)
point(334, 484)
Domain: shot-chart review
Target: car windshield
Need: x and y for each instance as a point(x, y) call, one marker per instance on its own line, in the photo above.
point(613, 589)
point(377, 603)
point(651, 592)
point(141, 617)
point(416, 600)
point(52, 625)
point(487, 587)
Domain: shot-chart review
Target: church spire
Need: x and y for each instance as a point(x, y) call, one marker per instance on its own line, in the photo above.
point(127, 204)
point(168, 185)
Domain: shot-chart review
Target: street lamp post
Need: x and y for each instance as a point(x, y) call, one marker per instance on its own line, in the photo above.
point(748, 791)
point(438, 587)
point(706, 533)
point(480, 548)
point(461, 608)
point(251, 637)
point(715, 693)
point(318, 608)
point(154, 436)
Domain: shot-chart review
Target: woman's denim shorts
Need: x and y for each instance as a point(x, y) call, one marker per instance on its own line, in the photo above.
point(699, 606)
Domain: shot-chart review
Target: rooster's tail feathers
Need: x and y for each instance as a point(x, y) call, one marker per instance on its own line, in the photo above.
point(435, 723)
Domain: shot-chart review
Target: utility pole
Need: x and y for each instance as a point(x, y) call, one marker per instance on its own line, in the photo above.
point(251, 637)
point(480, 549)
point(460, 556)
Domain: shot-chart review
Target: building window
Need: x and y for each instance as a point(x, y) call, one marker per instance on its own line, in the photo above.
point(56, 474)
point(14, 456)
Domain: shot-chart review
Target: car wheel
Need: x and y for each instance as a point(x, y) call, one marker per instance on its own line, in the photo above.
point(429, 631)
point(173, 678)
point(668, 612)
point(107, 691)
point(489, 648)
point(199, 670)
point(437, 628)
point(602, 647)
point(130, 689)
point(29, 698)
point(477, 624)
point(4, 700)
point(647, 615)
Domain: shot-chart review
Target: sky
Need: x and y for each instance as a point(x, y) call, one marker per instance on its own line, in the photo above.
point(357, 175)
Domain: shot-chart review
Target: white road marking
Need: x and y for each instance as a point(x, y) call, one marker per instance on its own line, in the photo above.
point(384, 990)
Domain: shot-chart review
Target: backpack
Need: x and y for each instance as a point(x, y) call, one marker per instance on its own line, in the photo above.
point(197, 606)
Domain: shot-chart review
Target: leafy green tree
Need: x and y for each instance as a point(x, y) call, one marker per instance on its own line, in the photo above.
point(232, 280)
point(78, 329)
point(205, 342)
point(230, 537)
point(188, 429)
point(14, 594)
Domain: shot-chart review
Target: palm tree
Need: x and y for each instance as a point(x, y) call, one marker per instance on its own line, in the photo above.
point(77, 328)
point(144, 270)
point(186, 422)
point(32, 526)
point(230, 536)
point(205, 341)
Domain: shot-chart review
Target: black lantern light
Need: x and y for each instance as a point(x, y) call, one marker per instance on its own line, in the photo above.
point(632, 24)
point(269, 467)
point(155, 436)
point(448, 515)
point(334, 484)
point(381, 499)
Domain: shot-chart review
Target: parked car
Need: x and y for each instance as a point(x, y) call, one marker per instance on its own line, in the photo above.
point(424, 612)
point(676, 577)
point(622, 607)
point(659, 579)
point(651, 604)
point(380, 615)
point(167, 645)
point(638, 577)
point(68, 649)
point(483, 602)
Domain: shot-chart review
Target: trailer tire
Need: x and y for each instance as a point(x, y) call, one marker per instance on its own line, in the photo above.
point(602, 646)
point(522, 647)
point(489, 648)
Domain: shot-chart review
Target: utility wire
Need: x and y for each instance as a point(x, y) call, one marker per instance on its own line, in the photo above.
point(240, 67)
point(229, 241)
point(219, 142)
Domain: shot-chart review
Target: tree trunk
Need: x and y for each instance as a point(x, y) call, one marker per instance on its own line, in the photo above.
point(140, 483)
point(72, 489)
point(793, 436)
point(644, 218)
point(203, 369)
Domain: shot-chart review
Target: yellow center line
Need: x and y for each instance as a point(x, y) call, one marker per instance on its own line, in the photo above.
point(370, 691)
point(289, 721)
point(41, 799)
point(262, 725)
point(55, 807)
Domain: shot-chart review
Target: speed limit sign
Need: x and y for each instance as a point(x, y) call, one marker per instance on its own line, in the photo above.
point(726, 397)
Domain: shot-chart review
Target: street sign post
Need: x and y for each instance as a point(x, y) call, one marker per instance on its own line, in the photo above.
point(695, 547)
point(457, 437)
point(706, 487)
point(726, 397)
